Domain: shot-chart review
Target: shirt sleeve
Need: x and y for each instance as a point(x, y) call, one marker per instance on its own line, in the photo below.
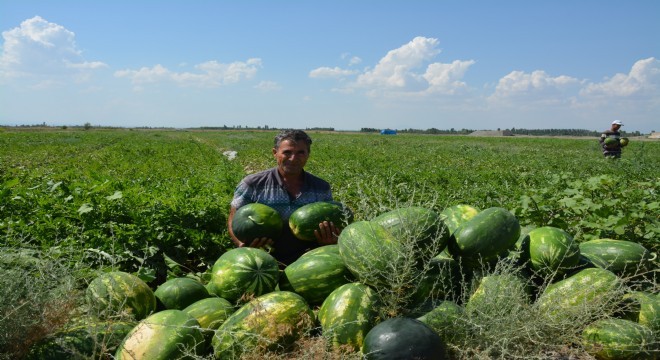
point(242, 195)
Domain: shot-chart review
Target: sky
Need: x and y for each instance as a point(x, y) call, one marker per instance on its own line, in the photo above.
point(472, 64)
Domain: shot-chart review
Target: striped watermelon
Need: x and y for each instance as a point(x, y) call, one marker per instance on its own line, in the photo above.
point(485, 237)
point(115, 292)
point(256, 220)
point(577, 294)
point(456, 215)
point(371, 253)
point(272, 321)
point(306, 219)
point(614, 339)
point(210, 313)
point(420, 225)
point(619, 256)
point(440, 281)
point(315, 274)
point(552, 251)
point(348, 314)
point(243, 272)
point(168, 334)
point(499, 294)
point(443, 319)
point(643, 308)
point(178, 293)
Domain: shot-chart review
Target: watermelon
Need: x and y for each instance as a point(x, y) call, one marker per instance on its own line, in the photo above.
point(244, 272)
point(619, 339)
point(552, 251)
point(371, 253)
point(255, 221)
point(348, 313)
point(456, 215)
point(178, 293)
point(623, 142)
point(417, 224)
point(210, 313)
point(87, 339)
point(611, 142)
point(445, 319)
point(306, 219)
point(332, 249)
point(499, 294)
point(440, 280)
point(576, 295)
point(485, 237)
point(403, 338)
point(167, 334)
point(643, 308)
point(622, 257)
point(315, 275)
point(272, 321)
point(119, 292)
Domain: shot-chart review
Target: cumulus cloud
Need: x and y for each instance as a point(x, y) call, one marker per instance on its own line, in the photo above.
point(407, 69)
point(268, 86)
point(534, 86)
point(643, 79)
point(39, 48)
point(210, 74)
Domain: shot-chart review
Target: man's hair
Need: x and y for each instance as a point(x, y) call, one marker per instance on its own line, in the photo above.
point(294, 136)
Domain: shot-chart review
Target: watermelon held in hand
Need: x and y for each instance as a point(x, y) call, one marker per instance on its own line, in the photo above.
point(306, 219)
point(403, 338)
point(244, 272)
point(611, 142)
point(118, 292)
point(624, 142)
point(255, 221)
point(619, 339)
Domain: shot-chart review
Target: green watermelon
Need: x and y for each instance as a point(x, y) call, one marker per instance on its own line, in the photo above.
point(499, 294)
point(577, 294)
point(256, 220)
point(403, 338)
point(315, 275)
point(87, 339)
point(624, 141)
point(371, 253)
point(611, 142)
point(614, 339)
point(243, 272)
point(643, 308)
point(272, 321)
point(332, 249)
point(552, 251)
point(178, 293)
point(485, 236)
point(210, 313)
point(119, 292)
point(456, 215)
point(420, 225)
point(348, 313)
point(445, 319)
point(619, 256)
point(168, 334)
point(439, 281)
point(304, 220)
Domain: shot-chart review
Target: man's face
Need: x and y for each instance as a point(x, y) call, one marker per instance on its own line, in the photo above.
point(616, 127)
point(291, 157)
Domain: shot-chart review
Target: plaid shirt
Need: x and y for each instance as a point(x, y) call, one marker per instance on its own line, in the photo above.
point(267, 188)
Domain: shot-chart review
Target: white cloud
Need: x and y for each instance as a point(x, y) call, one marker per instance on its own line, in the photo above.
point(38, 48)
point(327, 72)
point(534, 86)
point(445, 78)
point(643, 79)
point(268, 86)
point(211, 74)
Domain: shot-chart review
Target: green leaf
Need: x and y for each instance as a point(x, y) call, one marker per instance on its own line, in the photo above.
point(115, 196)
point(85, 208)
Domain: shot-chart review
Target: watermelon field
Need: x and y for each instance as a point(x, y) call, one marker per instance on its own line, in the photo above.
point(114, 244)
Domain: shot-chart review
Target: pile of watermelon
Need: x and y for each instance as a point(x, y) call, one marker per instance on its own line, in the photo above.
point(388, 288)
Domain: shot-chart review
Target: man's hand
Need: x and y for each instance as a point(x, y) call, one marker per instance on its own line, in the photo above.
point(327, 233)
point(264, 242)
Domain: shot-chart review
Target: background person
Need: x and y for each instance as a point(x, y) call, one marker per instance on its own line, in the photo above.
point(285, 188)
point(610, 140)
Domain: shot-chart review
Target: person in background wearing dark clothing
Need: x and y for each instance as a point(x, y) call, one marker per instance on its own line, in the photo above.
point(285, 188)
point(610, 140)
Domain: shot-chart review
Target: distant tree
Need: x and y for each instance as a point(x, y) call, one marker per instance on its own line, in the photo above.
point(87, 126)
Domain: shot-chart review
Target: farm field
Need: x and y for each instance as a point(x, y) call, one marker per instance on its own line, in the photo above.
point(75, 203)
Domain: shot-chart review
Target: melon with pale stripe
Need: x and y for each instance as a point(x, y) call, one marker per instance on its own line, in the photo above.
point(244, 272)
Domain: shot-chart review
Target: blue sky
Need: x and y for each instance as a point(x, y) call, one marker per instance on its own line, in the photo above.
point(341, 64)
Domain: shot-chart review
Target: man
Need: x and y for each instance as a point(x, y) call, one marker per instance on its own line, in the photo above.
point(285, 188)
point(610, 140)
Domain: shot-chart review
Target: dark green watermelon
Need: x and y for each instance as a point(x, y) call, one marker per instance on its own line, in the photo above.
point(415, 224)
point(403, 338)
point(485, 237)
point(306, 219)
point(619, 256)
point(552, 251)
point(614, 339)
point(178, 293)
point(255, 221)
point(456, 215)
